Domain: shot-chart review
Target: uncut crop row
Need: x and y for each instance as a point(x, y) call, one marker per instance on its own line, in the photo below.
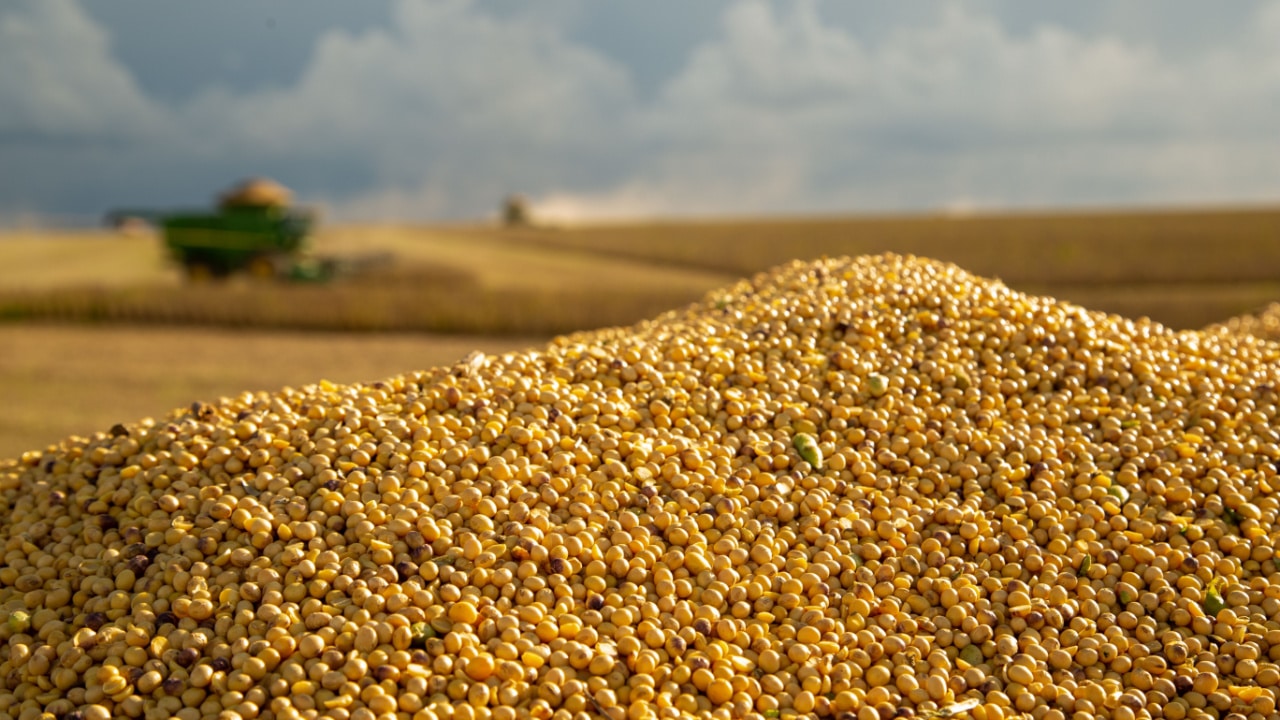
point(347, 307)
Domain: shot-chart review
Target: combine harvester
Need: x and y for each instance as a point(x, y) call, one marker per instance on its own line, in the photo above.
point(254, 230)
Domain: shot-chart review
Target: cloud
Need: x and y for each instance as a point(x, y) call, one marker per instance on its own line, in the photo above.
point(58, 82)
point(451, 107)
point(448, 112)
point(781, 112)
point(439, 116)
point(69, 115)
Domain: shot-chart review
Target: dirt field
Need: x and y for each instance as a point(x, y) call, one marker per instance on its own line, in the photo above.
point(56, 381)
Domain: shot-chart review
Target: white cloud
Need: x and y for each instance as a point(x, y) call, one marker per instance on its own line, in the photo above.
point(780, 113)
point(451, 108)
point(58, 82)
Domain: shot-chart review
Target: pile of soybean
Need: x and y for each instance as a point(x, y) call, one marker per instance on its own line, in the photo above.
point(1264, 323)
point(858, 488)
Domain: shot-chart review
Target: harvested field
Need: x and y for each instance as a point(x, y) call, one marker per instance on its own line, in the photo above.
point(45, 260)
point(1076, 248)
point(57, 381)
point(1185, 269)
point(440, 282)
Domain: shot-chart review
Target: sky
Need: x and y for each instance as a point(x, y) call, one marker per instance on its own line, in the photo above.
point(435, 111)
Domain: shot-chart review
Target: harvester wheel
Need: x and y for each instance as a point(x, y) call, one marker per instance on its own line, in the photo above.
point(199, 273)
point(262, 268)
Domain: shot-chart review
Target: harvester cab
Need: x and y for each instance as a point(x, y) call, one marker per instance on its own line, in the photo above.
point(254, 230)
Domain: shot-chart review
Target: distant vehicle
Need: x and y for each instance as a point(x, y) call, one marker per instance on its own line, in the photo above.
point(515, 211)
point(252, 230)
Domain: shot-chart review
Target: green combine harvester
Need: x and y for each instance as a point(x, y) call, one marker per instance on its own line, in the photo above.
point(253, 230)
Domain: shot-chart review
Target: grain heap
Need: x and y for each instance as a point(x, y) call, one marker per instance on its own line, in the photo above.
point(864, 488)
point(1264, 324)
